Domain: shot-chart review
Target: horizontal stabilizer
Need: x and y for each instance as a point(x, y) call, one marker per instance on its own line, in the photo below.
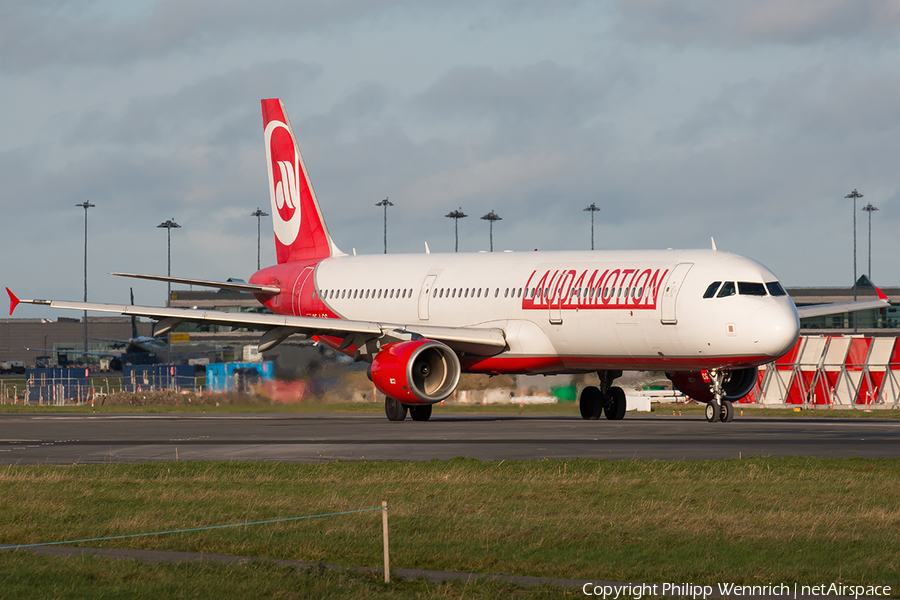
point(225, 285)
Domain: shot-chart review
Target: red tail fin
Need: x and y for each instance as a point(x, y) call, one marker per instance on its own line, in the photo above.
point(300, 231)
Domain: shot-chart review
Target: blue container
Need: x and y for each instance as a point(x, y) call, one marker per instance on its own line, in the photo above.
point(237, 376)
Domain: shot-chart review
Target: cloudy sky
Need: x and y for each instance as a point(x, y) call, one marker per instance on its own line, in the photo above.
point(747, 121)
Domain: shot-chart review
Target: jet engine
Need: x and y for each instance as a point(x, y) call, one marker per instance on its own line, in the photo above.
point(695, 384)
point(416, 372)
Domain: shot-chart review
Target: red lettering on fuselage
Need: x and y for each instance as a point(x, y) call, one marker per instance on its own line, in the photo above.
point(632, 289)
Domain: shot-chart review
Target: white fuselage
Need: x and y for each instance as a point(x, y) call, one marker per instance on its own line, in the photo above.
point(568, 311)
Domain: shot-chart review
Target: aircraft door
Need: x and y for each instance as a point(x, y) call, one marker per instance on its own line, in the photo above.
point(670, 292)
point(559, 291)
point(425, 296)
point(300, 291)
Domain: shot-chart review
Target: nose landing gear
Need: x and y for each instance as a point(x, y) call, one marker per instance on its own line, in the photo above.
point(718, 409)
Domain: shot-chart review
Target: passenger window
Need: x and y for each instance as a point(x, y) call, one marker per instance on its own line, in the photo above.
point(775, 289)
point(497, 293)
point(519, 295)
point(506, 293)
point(727, 290)
point(711, 290)
point(751, 288)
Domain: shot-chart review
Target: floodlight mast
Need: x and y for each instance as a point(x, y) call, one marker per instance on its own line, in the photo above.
point(855, 196)
point(385, 203)
point(456, 215)
point(592, 209)
point(258, 213)
point(85, 205)
point(870, 209)
point(168, 226)
point(491, 217)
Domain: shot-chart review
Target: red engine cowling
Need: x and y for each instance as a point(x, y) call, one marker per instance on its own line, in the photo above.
point(416, 372)
point(695, 384)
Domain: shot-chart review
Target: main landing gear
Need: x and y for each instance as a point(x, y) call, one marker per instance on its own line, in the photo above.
point(604, 399)
point(718, 409)
point(396, 411)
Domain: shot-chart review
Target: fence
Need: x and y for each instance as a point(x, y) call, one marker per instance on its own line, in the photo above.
point(146, 378)
point(834, 371)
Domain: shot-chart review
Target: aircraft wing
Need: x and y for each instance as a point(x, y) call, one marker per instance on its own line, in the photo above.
point(227, 285)
point(480, 341)
point(818, 310)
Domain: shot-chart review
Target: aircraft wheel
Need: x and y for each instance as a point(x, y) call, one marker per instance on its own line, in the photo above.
point(591, 403)
point(727, 413)
point(394, 410)
point(421, 412)
point(712, 411)
point(615, 404)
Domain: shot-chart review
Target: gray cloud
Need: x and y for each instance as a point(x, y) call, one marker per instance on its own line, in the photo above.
point(737, 24)
point(46, 34)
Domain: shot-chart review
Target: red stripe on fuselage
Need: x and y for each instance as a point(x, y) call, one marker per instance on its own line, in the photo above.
point(586, 364)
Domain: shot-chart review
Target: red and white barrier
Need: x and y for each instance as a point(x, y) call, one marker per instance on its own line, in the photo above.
point(846, 371)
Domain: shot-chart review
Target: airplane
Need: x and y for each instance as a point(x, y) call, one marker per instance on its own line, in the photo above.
point(707, 318)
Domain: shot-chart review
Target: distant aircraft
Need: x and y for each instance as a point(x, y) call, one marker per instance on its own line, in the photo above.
point(706, 318)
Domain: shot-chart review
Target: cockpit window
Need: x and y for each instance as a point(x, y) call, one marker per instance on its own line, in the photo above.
point(775, 289)
point(751, 288)
point(711, 290)
point(727, 290)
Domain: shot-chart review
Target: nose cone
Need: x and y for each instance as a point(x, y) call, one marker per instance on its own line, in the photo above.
point(775, 329)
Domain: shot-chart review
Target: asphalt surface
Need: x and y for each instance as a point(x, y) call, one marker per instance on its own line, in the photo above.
point(90, 439)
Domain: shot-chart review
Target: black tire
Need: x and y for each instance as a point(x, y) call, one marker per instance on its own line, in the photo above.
point(421, 412)
point(727, 412)
point(616, 404)
point(712, 414)
point(590, 403)
point(394, 410)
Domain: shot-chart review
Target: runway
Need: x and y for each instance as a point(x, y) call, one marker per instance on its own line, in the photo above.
point(90, 439)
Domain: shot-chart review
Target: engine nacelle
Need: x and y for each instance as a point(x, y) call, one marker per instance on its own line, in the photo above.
point(695, 384)
point(416, 372)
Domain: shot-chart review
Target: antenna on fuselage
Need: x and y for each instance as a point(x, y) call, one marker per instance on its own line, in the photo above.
point(713, 243)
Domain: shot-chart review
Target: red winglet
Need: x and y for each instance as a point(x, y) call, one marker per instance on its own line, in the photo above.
point(881, 295)
point(13, 301)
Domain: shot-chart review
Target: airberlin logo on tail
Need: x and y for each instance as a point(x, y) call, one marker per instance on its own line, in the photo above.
point(284, 181)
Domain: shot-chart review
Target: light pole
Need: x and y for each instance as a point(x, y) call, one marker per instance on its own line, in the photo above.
point(456, 215)
point(855, 195)
point(491, 217)
point(258, 213)
point(385, 203)
point(85, 205)
point(168, 226)
point(592, 209)
point(870, 209)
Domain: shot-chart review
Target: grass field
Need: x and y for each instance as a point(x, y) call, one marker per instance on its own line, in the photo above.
point(750, 521)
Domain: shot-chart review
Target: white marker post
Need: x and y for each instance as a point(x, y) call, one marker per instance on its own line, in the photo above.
point(384, 529)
